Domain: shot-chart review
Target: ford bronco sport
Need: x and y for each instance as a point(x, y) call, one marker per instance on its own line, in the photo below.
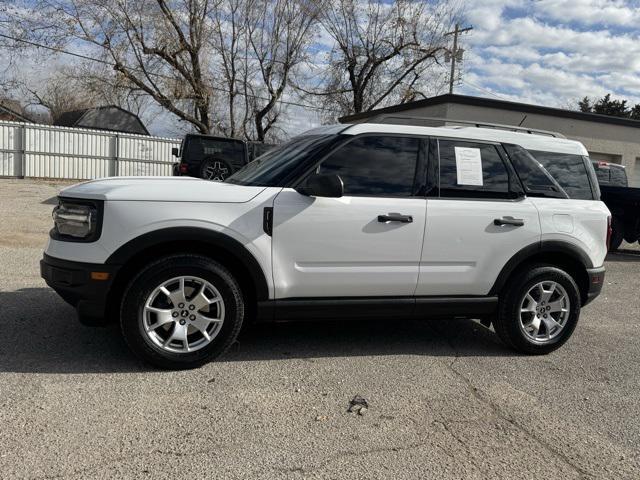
point(356, 221)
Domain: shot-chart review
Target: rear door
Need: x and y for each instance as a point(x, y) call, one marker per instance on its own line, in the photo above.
point(477, 218)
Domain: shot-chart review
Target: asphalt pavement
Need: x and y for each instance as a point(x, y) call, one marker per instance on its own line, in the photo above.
point(445, 399)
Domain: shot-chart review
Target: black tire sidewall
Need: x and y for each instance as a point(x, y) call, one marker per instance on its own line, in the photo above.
point(160, 271)
point(508, 322)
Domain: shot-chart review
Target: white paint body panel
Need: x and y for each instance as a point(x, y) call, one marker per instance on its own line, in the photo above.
point(335, 247)
point(588, 224)
point(161, 189)
point(464, 251)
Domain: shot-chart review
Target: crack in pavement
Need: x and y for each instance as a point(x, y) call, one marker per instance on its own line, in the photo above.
point(498, 412)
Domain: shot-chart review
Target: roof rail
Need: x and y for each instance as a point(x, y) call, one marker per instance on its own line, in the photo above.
point(535, 131)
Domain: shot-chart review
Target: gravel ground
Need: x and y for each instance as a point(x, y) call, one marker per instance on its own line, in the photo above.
point(446, 400)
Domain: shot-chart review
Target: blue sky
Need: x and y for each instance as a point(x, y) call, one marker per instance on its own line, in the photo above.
point(552, 52)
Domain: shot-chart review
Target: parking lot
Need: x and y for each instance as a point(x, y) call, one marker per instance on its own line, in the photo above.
point(446, 399)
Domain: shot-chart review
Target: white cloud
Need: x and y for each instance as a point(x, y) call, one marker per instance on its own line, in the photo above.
point(552, 52)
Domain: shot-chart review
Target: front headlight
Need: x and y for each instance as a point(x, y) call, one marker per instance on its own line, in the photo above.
point(73, 220)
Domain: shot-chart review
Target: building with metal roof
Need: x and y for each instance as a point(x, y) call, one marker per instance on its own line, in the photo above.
point(110, 117)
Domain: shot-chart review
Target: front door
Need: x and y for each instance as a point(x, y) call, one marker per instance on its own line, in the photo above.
point(364, 244)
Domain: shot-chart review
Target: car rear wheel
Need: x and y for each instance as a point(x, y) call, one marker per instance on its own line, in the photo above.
point(181, 311)
point(539, 310)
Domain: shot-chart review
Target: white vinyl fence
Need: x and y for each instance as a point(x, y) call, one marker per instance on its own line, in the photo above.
point(31, 150)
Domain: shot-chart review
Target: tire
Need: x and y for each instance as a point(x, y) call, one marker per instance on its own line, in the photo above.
point(512, 328)
point(192, 331)
point(617, 234)
point(215, 169)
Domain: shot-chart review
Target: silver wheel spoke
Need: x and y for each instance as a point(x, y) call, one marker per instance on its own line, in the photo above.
point(180, 334)
point(557, 306)
point(547, 294)
point(162, 317)
point(200, 300)
point(550, 323)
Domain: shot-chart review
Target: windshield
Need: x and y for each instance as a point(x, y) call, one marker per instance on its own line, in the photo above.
point(275, 166)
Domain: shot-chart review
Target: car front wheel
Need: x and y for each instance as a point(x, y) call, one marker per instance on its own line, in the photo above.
point(539, 310)
point(181, 311)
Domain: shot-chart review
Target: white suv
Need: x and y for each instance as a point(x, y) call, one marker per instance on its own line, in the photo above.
point(349, 221)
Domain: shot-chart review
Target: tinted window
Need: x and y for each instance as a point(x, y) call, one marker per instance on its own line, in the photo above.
point(458, 163)
point(200, 147)
point(569, 171)
point(603, 175)
point(618, 177)
point(383, 166)
point(535, 179)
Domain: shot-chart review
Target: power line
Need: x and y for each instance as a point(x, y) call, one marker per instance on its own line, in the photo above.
point(104, 62)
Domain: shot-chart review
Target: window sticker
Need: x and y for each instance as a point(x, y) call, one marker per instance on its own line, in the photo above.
point(468, 166)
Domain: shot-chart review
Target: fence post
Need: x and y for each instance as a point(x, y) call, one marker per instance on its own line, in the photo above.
point(23, 151)
point(115, 171)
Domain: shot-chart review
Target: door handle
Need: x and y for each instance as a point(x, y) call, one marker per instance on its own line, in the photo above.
point(515, 222)
point(395, 217)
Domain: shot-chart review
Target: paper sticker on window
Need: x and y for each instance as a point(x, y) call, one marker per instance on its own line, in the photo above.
point(468, 166)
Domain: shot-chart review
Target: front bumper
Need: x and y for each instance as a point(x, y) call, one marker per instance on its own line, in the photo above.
point(82, 285)
point(596, 281)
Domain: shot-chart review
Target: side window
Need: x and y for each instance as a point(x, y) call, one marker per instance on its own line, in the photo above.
point(382, 166)
point(569, 171)
point(535, 179)
point(619, 177)
point(470, 169)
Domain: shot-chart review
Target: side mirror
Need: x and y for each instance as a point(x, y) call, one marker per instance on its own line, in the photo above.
point(175, 151)
point(322, 186)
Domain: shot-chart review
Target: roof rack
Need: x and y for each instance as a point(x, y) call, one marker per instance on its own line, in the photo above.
point(534, 131)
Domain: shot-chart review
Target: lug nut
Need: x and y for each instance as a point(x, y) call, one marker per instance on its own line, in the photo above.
point(191, 307)
point(192, 317)
point(181, 305)
point(182, 322)
point(174, 314)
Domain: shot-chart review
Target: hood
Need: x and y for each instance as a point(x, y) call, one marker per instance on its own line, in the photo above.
point(161, 189)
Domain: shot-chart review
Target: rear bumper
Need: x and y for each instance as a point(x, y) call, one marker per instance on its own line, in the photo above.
point(596, 281)
point(73, 281)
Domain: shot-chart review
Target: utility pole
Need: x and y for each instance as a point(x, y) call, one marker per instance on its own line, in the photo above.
point(455, 53)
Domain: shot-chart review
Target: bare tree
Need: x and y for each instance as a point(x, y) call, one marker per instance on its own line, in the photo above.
point(60, 95)
point(280, 32)
point(155, 46)
point(383, 51)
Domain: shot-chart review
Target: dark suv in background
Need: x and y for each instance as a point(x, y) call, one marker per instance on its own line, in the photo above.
point(214, 158)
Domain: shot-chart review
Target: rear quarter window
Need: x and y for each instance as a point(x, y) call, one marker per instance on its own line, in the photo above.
point(570, 171)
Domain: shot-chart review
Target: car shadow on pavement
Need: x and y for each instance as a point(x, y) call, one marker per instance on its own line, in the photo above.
point(41, 334)
point(624, 256)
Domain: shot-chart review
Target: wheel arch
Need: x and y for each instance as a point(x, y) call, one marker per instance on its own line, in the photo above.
point(565, 255)
point(220, 247)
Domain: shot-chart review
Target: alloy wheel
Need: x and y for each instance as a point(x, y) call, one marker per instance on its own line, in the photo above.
point(544, 311)
point(183, 314)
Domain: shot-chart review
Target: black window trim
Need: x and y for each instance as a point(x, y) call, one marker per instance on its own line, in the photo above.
point(560, 193)
point(516, 190)
point(421, 163)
